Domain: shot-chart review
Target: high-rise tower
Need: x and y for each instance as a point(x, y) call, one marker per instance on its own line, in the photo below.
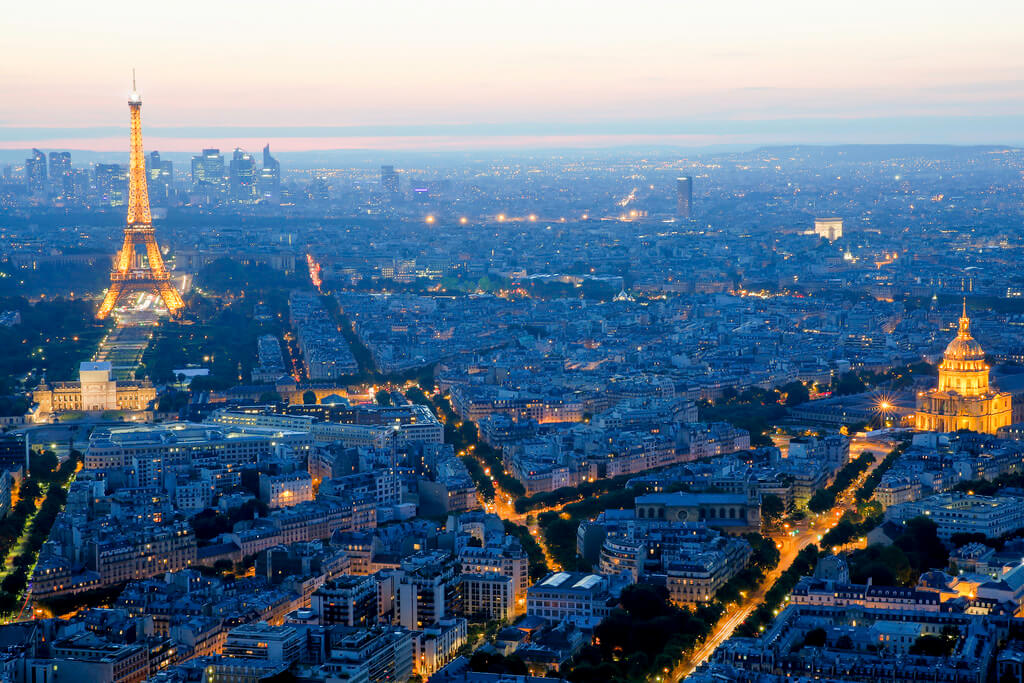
point(60, 172)
point(242, 176)
point(389, 179)
point(268, 184)
point(35, 172)
point(684, 196)
point(145, 271)
point(161, 175)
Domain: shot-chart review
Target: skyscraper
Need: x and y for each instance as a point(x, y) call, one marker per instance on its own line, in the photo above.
point(684, 198)
point(268, 184)
point(112, 184)
point(208, 171)
point(35, 172)
point(161, 178)
point(78, 185)
point(242, 176)
point(389, 179)
point(60, 172)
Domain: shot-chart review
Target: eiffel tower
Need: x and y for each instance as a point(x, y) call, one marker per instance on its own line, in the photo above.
point(130, 273)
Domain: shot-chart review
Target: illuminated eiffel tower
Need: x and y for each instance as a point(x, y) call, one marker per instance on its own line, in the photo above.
point(143, 272)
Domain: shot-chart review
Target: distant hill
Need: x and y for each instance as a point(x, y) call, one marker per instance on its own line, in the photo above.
point(878, 152)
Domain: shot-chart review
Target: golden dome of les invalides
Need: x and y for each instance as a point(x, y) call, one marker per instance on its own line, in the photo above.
point(963, 399)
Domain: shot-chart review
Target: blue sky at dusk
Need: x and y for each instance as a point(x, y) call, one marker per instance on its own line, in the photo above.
point(312, 75)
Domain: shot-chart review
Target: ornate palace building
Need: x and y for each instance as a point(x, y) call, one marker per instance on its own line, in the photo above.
point(95, 391)
point(964, 399)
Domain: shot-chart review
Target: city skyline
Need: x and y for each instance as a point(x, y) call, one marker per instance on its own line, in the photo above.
point(450, 342)
point(573, 75)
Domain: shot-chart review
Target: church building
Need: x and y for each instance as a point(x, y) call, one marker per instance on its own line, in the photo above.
point(964, 398)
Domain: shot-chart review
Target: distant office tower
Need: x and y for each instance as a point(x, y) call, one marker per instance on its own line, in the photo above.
point(268, 185)
point(60, 172)
point(161, 178)
point(208, 170)
point(684, 199)
point(35, 172)
point(319, 190)
point(829, 228)
point(78, 185)
point(242, 175)
point(388, 179)
point(112, 184)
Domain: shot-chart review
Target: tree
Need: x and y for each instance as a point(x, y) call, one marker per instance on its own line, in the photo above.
point(270, 397)
point(850, 383)
point(497, 664)
point(935, 646)
point(815, 637)
point(884, 565)
point(210, 523)
point(248, 510)
point(765, 554)
point(172, 401)
point(921, 544)
point(15, 581)
point(309, 397)
point(772, 508)
point(8, 602)
point(796, 393)
point(30, 490)
point(644, 601)
point(821, 501)
point(42, 465)
point(964, 538)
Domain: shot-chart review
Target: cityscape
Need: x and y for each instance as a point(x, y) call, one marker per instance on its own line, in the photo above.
point(592, 407)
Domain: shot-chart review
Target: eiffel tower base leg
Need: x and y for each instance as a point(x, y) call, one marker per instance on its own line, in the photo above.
point(110, 300)
point(171, 298)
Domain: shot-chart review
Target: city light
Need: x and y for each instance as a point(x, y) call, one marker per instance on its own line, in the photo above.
point(744, 350)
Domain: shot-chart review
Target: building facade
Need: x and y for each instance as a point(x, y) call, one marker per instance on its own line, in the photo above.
point(964, 398)
point(96, 390)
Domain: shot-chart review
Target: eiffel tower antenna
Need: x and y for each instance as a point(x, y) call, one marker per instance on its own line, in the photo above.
point(127, 276)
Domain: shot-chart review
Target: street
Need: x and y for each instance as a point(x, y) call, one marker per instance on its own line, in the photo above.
point(791, 546)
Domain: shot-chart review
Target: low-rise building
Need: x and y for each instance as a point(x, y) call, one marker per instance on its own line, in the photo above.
point(437, 644)
point(348, 600)
point(273, 644)
point(693, 560)
point(376, 655)
point(506, 559)
point(582, 599)
point(963, 513)
point(86, 657)
point(488, 596)
point(726, 511)
point(286, 490)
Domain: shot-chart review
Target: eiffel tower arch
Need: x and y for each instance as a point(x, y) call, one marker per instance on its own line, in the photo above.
point(139, 268)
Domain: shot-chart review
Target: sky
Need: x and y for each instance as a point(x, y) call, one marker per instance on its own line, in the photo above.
point(449, 74)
